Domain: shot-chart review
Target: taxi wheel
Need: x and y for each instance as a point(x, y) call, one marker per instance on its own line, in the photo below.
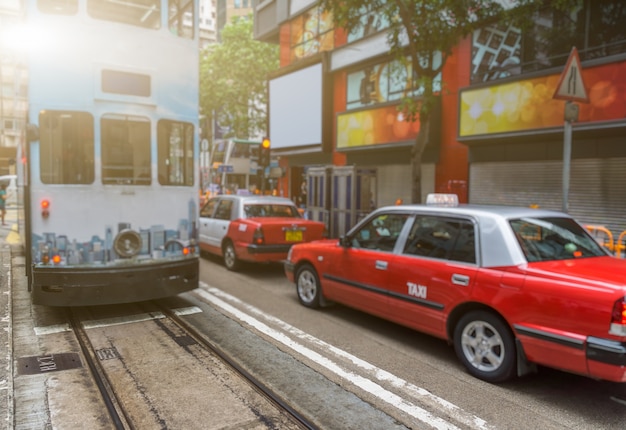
point(308, 286)
point(230, 257)
point(485, 345)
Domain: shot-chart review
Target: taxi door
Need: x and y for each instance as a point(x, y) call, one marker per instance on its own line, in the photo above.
point(359, 273)
point(435, 269)
point(218, 225)
point(205, 221)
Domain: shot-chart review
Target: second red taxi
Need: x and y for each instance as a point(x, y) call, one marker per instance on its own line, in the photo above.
point(510, 288)
point(252, 228)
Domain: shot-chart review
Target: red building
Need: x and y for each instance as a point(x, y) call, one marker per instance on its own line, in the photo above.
point(499, 135)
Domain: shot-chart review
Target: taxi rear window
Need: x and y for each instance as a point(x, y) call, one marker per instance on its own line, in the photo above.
point(553, 238)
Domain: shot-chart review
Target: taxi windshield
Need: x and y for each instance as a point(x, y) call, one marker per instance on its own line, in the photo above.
point(546, 239)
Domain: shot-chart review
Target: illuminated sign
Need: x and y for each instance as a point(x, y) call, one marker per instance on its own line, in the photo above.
point(374, 127)
point(528, 104)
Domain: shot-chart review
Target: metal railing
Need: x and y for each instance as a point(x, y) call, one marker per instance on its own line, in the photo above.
point(605, 238)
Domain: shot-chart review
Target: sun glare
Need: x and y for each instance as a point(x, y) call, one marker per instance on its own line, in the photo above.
point(21, 39)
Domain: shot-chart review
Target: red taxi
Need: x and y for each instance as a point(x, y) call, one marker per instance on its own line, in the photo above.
point(510, 288)
point(253, 228)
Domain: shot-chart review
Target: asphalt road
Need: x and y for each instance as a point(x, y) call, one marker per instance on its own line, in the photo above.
point(420, 371)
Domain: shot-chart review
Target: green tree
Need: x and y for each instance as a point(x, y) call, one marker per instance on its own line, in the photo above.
point(423, 34)
point(233, 80)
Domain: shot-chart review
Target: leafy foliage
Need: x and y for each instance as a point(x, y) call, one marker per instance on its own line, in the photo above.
point(233, 80)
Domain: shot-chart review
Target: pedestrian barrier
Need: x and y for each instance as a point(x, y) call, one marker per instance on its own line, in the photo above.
point(620, 244)
point(605, 238)
point(602, 235)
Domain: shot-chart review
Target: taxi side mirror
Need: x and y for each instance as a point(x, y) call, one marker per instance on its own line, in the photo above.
point(344, 242)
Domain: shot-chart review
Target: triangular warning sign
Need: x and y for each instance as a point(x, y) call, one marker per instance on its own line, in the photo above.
point(571, 85)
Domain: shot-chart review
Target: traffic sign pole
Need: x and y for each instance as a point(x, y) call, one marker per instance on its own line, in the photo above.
point(570, 88)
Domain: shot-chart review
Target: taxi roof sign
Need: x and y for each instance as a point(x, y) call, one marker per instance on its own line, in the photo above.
point(571, 85)
point(445, 200)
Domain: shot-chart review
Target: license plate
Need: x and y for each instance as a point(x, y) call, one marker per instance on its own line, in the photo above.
point(293, 236)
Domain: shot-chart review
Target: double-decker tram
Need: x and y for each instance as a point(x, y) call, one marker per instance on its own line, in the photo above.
point(109, 163)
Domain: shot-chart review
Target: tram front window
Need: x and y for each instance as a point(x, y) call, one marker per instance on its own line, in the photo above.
point(125, 150)
point(66, 147)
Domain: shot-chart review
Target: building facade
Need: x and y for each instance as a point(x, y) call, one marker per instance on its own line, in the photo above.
point(13, 86)
point(499, 133)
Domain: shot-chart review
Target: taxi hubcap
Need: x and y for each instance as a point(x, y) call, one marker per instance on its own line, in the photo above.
point(483, 346)
point(306, 286)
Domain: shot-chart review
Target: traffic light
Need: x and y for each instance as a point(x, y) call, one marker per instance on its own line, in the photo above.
point(264, 153)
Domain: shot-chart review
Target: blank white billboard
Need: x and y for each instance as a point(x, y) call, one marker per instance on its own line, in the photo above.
point(295, 108)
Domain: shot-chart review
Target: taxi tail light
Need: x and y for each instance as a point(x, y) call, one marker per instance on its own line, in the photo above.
point(258, 238)
point(45, 208)
point(618, 318)
point(56, 259)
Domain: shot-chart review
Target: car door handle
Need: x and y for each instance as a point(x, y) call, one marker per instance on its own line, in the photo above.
point(460, 279)
point(381, 265)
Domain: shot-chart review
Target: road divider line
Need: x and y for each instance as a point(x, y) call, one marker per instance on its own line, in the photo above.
point(211, 294)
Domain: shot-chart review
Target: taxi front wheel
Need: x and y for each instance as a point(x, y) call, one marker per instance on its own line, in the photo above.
point(308, 286)
point(485, 345)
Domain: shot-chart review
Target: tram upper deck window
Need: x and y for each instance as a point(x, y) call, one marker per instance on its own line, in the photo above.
point(59, 7)
point(142, 13)
point(66, 147)
point(175, 149)
point(181, 18)
point(125, 142)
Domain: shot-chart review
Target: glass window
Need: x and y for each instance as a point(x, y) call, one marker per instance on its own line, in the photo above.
point(181, 18)
point(371, 22)
point(132, 84)
point(607, 21)
point(142, 13)
point(59, 7)
point(311, 32)
point(545, 239)
point(445, 238)
point(224, 210)
point(175, 147)
point(66, 141)
point(595, 27)
point(380, 233)
point(208, 209)
point(125, 150)
point(260, 210)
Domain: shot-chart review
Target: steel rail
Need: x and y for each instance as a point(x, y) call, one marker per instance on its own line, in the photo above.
point(263, 389)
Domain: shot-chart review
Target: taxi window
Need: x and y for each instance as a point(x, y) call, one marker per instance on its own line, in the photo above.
point(208, 209)
point(224, 210)
point(546, 239)
point(380, 233)
point(445, 238)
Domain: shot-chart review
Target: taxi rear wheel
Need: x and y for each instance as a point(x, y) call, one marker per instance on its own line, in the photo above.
point(485, 345)
point(308, 286)
point(230, 257)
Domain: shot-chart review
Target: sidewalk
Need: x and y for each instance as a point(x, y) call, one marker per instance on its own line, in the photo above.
point(9, 247)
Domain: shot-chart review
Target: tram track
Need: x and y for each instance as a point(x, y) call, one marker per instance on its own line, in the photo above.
point(115, 392)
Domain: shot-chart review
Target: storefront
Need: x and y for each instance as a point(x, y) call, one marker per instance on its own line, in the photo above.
point(514, 132)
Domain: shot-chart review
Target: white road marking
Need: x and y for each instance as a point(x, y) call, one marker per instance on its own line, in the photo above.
point(360, 381)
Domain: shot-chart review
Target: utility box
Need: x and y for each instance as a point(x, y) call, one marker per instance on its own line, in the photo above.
point(340, 196)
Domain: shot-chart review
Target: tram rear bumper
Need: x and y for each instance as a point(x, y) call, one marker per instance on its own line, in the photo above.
point(59, 286)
